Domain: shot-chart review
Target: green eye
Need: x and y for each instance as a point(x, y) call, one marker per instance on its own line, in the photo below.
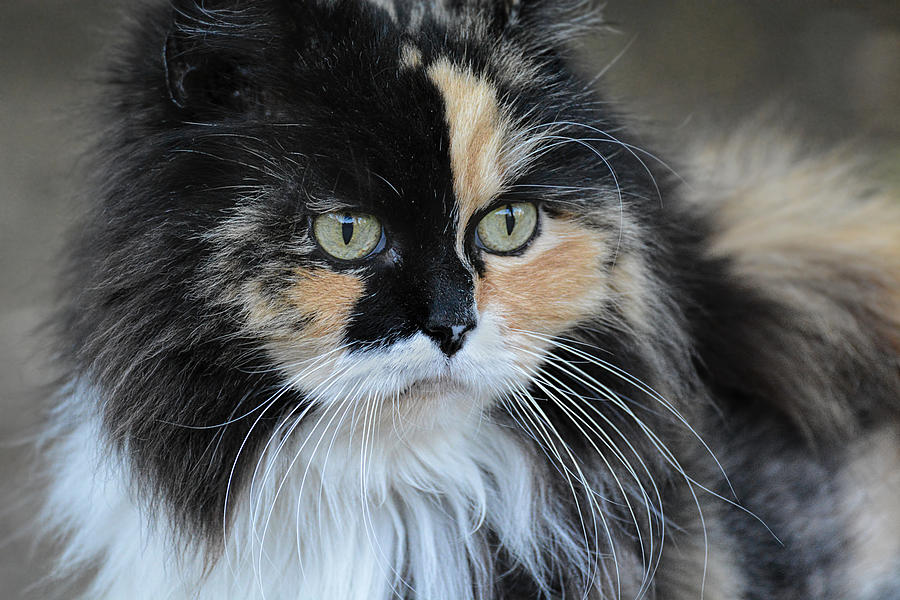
point(347, 236)
point(508, 228)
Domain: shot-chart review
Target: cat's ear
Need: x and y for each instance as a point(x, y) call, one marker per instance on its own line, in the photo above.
point(501, 13)
point(560, 19)
point(211, 57)
point(194, 78)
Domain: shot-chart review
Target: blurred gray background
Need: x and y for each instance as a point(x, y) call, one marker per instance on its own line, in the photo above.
point(834, 65)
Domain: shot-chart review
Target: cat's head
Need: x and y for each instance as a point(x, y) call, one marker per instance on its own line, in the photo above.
point(311, 203)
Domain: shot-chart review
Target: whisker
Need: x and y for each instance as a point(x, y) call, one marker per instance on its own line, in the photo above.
point(585, 420)
point(233, 420)
point(628, 378)
point(273, 400)
point(546, 425)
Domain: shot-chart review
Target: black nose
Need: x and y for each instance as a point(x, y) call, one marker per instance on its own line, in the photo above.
point(448, 334)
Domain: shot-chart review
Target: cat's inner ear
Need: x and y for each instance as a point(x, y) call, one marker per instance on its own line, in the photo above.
point(177, 70)
point(201, 78)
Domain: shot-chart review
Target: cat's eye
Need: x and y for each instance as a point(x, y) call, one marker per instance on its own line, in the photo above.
point(507, 228)
point(348, 235)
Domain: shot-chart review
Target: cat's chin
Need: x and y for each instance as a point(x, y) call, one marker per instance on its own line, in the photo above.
point(429, 388)
point(449, 387)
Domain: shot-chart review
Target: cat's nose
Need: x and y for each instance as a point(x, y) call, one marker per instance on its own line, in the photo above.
point(448, 335)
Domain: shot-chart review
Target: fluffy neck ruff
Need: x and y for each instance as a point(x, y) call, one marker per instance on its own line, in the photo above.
point(332, 514)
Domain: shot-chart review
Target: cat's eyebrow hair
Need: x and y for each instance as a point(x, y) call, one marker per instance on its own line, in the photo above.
point(324, 204)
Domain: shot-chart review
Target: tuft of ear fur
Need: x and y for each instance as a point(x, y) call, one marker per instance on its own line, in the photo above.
point(550, 23)
point(501, 13)
point(562, 20)
point(819, 242)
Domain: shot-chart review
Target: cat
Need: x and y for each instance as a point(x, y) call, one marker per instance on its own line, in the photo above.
point(380, 299)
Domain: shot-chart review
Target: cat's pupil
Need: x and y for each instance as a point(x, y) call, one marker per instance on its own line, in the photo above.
point(510, 219)
point(347, 228)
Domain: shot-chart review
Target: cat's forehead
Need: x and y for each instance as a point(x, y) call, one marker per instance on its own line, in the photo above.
point(426, 118)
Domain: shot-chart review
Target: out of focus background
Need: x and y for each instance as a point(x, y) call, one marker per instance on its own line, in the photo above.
point(833, 66)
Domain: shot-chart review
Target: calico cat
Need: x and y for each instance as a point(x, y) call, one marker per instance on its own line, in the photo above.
point(379, 299)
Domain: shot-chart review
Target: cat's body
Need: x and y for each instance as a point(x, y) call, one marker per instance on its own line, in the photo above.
point(380, 301)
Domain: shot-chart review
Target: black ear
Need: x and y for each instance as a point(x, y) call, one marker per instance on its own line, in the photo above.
point(212, 57)
point(177, 66)
point(506, 12)
point(558, 19)
point(199, 78)
point(501, 13)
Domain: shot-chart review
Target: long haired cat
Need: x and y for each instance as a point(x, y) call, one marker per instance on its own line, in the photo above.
point(379, 300)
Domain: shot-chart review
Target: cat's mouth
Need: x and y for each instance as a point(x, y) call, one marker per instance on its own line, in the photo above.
point(415, 370)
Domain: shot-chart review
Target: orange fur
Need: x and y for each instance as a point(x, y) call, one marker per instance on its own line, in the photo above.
point(557, 282)
point(477, 134)
point(810, 232)
point(324, 298)
point(308, 318)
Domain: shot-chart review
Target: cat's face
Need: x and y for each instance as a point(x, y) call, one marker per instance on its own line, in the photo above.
point(406, 226)
point(313, 204)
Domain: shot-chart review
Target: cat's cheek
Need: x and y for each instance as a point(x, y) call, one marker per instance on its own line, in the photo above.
point(325, 299)
point(558, 282)
point(307, 320)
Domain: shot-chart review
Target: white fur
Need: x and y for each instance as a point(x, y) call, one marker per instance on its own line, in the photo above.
point(485, 366)
point(353, 502)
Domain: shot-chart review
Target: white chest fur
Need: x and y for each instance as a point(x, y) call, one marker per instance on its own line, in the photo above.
point(327, 520)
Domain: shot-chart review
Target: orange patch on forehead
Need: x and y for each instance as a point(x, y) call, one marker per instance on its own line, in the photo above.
point(477, 135)
point(559, 281)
